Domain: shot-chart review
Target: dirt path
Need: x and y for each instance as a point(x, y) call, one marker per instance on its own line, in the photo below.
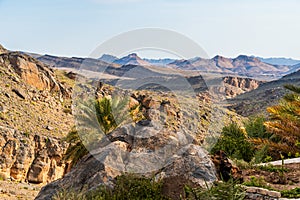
point(10, 190)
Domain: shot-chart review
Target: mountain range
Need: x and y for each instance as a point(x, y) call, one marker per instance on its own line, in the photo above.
point(242, 65)
point(279, 61)
point(247, 66)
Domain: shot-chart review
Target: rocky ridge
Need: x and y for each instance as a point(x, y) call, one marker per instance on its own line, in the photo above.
point(237, 85)
point(33, 119)
point(267, 94)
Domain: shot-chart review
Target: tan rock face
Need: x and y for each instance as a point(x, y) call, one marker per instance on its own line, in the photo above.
point(35, 159)
point(152, 154)
point(237, 85)
point(32, 72)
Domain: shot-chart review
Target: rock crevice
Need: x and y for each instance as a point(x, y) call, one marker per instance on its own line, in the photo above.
point(34, 159)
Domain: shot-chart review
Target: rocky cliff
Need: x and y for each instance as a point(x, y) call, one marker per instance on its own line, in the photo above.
point(35, 159)
point(33, 119)
point(238, 85)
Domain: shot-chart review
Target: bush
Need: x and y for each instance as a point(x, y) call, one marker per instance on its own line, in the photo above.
point(257, 182)
point(76, 149)
point(127, 187)
point(220, 191)
point(293, 193)
point(255, 127)
point(233, 141)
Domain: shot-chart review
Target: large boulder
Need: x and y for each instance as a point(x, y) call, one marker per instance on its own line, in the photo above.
point(165, 155)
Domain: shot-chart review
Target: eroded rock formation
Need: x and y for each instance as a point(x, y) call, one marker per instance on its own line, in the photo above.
point(35, 159)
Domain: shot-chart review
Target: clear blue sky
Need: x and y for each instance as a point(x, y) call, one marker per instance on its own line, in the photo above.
point(225, 27)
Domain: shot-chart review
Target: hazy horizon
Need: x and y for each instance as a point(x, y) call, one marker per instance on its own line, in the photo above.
point(75, 28)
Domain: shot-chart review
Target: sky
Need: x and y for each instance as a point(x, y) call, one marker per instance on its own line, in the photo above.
point(221, 27)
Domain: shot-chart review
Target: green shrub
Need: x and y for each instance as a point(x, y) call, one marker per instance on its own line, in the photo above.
point(219, 191)
point(127, 187)
point(76, 149)
point(255, 127)
point(272, 168)
point(234, 142)
point(257, 182)
point(293, 193)
point(261, 154)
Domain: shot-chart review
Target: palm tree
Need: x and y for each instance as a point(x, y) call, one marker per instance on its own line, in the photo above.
point(95, 117)
point(284, 123)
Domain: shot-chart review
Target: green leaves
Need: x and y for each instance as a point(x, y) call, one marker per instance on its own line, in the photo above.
point(234, 142)
point(229, 190)
point(285, 122)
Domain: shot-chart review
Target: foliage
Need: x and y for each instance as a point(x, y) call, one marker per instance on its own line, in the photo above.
point(272, 168)
point(76, 149)
point(127, 187)
point(284, 123)
point(257, 182)
point(95, 114)
point(234, 142)
point(293, 193)
point(255, 127)
point(104, 114)
point(261, 154)
point(219, 191)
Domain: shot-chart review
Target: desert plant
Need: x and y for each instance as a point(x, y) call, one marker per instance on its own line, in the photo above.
point(234, 142)
point(95, 117)
point(229, 190)
point(256, 128)
point(285, 124)
point(127, 187)
point(104, 114)
point(260, 154)
point(293, 193)
point(257, 182)
point(76, 149)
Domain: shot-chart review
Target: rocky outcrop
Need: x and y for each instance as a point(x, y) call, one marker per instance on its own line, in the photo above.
point(238, 85)
point(194, 165)
point(35, 159)
point(2, 49)
point(144, 149)
point(32, 72)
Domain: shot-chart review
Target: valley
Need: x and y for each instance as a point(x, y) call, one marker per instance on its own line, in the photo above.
point(70, 124)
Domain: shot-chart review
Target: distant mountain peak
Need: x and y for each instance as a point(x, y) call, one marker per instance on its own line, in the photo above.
point(132, 59)
point(279, 61)
point(108, 58)
point(218, 57)
point(133, 55)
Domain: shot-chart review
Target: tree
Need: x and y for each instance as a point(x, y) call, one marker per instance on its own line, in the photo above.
point(95, 117)
point(284, 122)
point(234, 142)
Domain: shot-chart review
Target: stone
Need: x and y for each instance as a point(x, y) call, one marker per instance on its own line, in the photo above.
point(145, 150)
point(7, 95)
point(225, 168)
point(35, 159)
point(3, 109)
point(19, 93)
point(49, 128)
point(2, 50)
point(32, 72)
